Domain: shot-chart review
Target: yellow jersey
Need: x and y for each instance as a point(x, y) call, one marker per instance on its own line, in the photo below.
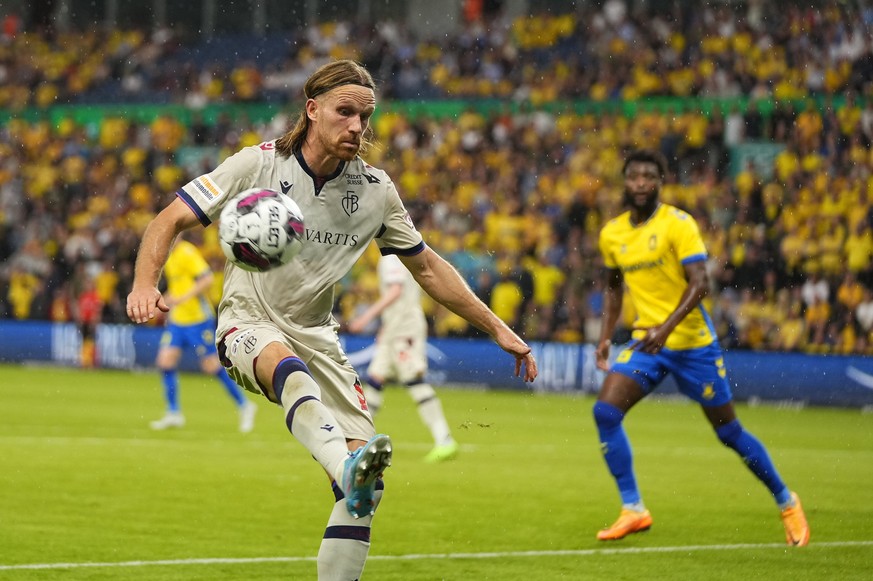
point(651, 257)
point(184, 266)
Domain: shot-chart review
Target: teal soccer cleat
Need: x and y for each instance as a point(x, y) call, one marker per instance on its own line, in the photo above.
point(362, 468)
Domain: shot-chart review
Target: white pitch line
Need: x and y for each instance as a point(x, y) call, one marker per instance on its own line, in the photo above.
point(448, 556)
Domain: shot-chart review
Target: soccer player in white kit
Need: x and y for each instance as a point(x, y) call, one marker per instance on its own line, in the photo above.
point(401, 352)
point(276, 334)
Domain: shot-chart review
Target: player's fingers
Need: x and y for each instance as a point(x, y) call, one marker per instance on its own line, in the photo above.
point(530, 368)
point(133, 311)
point(140, 310)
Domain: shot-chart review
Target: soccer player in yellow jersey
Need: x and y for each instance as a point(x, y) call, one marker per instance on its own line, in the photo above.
point(656, 251)
point(191, 325)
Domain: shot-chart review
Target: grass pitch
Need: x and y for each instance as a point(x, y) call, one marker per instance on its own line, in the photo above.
point(89, 492)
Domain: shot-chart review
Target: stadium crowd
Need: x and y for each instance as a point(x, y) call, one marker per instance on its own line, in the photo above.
point(513, 195)
point(772, 49)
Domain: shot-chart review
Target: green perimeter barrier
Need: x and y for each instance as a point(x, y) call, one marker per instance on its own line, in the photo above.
point(261, 112)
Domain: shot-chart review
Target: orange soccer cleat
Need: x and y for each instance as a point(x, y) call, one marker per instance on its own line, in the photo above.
point(796, 527)
point(629, 521)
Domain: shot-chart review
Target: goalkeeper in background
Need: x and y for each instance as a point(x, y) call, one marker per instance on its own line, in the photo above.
point(656, 251)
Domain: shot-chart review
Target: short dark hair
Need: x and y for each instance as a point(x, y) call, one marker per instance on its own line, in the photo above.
point(646, 156)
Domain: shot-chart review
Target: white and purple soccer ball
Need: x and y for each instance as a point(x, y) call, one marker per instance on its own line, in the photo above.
point(261, 229)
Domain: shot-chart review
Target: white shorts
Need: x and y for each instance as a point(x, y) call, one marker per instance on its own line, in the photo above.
point(319, 348)
point(401, 359)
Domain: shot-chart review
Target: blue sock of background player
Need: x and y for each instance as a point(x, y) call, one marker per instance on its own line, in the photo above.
point(619, 457)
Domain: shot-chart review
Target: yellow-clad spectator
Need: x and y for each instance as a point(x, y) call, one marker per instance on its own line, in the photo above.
point(548, 280)
point(247, 82)
point(849, 115)
point(133, 159)
point(830, 246)
point(168, 176)
point(506, 227)
point(506, 298)
point(114, 133)
point(792, 332)
point(850, 293)
point(786, 164)
point(167, 134)
point(23, 288)
point(859, 249)
point(105, 283)
point(809, 124)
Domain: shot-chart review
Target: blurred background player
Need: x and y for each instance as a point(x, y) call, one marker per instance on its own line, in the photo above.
point(401, 352)
point(191, 325)
point(656, 251)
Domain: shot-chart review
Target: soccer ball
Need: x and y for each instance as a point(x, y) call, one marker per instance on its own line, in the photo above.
point(260, 229)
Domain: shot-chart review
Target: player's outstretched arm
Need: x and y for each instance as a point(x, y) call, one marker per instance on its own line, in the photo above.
point(442, 282)
point(154, 249)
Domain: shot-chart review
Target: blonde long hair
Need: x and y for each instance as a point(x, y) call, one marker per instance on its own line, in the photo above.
point(326, 78)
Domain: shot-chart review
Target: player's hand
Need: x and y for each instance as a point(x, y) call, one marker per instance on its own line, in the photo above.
point(601, 355)
point(512, 344)
point(142, 304)
point(654, 340)
point(530, 365)
point(354, 327)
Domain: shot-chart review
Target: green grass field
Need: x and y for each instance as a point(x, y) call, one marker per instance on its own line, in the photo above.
point(88, 491)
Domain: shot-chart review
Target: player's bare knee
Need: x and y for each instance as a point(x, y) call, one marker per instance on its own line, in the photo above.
point(210, 365)
point(167, 359)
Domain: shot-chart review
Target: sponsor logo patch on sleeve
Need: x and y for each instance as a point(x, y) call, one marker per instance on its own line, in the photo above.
point(207, 188)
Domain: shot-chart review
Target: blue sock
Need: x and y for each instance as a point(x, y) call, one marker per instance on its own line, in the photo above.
point(755, 455)
point(616, 450)
point(230, 385)
point(171, 389)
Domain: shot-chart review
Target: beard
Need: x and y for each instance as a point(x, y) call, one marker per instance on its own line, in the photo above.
point(645, 208)
point(337, 147)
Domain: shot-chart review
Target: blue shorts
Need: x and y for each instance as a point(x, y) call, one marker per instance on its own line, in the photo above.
point(200, 337)
point(700, 373)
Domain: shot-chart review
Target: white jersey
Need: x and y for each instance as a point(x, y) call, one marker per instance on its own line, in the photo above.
point(352, 207)
point(405, 316)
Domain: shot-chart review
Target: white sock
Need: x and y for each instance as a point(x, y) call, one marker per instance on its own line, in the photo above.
point(312, 423)
point(431, 411)
point(346, 542)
